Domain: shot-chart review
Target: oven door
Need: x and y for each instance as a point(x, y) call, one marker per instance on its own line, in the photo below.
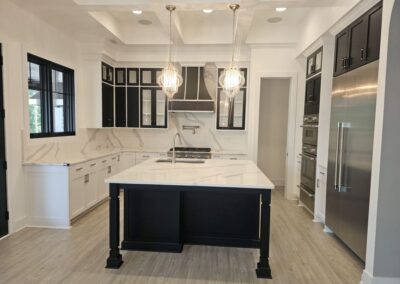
point(308, 171)
point(310, 134)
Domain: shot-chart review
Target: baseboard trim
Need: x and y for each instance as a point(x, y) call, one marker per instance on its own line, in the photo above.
point(53, 223)
point(367, 278)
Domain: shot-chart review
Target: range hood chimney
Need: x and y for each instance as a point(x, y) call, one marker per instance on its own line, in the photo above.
point(197, 93)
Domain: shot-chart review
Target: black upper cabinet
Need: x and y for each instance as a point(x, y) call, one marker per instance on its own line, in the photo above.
point(359, 43)
point(148, 76)
point(120, 106)
point(108, 105)
point(107, 73)
point(374, 18)
point(314, 63)
point(120, 76)
point(133, 106)
point(133, 76)
point(342, 47)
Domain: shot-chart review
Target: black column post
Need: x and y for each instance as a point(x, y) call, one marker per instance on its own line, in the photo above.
point(263, 270)
point(115, 258)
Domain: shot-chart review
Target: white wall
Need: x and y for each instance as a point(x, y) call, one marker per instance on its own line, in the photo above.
point(383, 249)
point(272, 133)
point(21, 32)
point(279, 62)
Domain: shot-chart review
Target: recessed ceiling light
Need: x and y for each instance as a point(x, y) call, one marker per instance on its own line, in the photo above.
point(207, 11)
point(145, 22)
point(137, 12)
point(280, 9)
point(274, 20)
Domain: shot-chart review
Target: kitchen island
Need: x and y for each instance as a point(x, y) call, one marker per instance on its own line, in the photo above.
point(207, 202)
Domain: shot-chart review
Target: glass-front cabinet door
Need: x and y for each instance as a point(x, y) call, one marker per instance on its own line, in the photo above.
point(161, 110)
point(153, 108)
point(231, 112)
point(146, 107)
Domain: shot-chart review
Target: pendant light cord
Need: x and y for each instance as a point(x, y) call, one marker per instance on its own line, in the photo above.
point(233, 35)
point(170, 37)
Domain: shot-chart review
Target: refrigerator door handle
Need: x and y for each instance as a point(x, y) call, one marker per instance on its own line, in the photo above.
point(340, 186)
point(339, 126)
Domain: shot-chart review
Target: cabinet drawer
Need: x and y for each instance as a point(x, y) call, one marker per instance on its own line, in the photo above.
point(78, 170)
point(229, 157)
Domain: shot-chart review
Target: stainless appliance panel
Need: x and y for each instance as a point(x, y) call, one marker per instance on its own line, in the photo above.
point(353, 119)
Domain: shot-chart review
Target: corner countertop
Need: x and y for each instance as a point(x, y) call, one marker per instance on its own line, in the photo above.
point(213, 173)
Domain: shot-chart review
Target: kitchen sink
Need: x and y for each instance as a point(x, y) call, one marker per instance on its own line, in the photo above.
point(181, 161)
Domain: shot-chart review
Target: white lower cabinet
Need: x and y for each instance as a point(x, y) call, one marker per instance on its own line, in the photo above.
point(77, 196)
point(59, 194)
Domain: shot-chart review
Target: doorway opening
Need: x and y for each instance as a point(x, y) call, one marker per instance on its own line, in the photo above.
point(273, 128)
point(3, 164)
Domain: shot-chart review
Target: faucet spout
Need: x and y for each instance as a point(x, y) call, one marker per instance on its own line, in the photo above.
point(173, 148)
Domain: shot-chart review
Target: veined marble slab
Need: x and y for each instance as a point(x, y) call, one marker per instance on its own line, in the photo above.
point(214, 173)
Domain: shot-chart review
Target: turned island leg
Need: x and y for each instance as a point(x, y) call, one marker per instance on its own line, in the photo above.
point(115, 258)
point(263, 270)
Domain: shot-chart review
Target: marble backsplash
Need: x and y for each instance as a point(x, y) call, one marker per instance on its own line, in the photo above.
point(89, 141)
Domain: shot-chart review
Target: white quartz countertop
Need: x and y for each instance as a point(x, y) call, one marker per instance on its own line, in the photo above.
point(214, 173)
point(70, 158)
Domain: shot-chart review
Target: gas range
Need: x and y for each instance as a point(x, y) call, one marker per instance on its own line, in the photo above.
point(191, 152)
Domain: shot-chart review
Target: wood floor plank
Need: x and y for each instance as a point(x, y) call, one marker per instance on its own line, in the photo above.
point(301, 253)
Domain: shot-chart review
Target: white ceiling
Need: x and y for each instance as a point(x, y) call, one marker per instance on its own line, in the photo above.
point(105, 20)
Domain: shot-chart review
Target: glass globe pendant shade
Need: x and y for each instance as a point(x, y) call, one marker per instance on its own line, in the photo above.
point(170, 80)
point(231, 80)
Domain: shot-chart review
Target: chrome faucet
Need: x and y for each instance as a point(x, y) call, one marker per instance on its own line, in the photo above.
point(173, 148)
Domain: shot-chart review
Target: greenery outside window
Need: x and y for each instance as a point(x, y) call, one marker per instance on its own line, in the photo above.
point(51, 98)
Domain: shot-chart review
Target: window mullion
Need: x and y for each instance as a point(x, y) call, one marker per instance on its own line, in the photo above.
point(49, 100)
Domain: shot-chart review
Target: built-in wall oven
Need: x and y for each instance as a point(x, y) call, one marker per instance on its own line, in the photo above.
point(309, 161)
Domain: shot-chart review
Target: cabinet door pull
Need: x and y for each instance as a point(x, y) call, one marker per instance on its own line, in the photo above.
point(86, 178)
point(104, 161)
point(362, 57)
point(78, 169)
point(92, 165)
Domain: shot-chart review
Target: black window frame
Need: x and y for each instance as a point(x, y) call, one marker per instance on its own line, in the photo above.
point(46, 88)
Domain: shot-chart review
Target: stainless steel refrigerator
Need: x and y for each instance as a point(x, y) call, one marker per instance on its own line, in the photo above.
point(350, 155)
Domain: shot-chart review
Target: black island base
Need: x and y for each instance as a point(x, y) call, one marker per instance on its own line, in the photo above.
point(163, 218)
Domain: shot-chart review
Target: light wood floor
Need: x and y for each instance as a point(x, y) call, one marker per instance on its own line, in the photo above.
point(300, 253)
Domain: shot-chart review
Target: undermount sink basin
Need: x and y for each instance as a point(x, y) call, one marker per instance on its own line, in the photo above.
point(181, 161)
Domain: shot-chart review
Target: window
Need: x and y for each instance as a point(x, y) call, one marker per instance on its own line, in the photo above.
point(51, 98)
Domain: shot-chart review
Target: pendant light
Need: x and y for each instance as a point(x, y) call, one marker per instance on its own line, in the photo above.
point(231, 79)
point(170, 79)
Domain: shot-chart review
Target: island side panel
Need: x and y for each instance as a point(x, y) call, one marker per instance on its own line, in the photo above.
point(152, 219)
point(115, 258)
point(263, 269)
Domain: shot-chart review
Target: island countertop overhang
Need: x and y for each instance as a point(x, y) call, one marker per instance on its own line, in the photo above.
point(212, 173)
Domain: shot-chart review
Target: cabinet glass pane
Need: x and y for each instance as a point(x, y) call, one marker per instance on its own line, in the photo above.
point(318, 61)
point(238, 110)
point(310, 65)
point(132, 76)
point(146, 77)
point(110, 74)
point(223, 109)
point(104, 72)
point(158, 74)
point(146, 107)
point(160, 108)
point(120, 76)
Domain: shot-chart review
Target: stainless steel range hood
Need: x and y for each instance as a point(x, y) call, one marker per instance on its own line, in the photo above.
point(197, 93)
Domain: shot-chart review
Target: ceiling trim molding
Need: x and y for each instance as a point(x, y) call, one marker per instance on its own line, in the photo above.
point(272, 45)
